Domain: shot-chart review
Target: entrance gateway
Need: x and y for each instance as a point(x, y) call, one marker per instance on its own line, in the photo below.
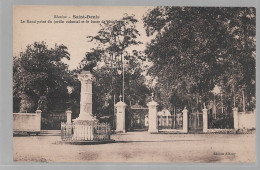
point(149, 119)
point(196, 122)
point(139, 118)
point(165, 121)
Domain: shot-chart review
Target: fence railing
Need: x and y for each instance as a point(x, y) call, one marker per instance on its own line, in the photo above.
point(80, 132)
point(222, 121)
point(170, 122)
point(195, 122)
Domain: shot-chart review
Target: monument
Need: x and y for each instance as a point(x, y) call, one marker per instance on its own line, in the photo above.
point(86, 115)
point(86, 127)
point(85, 123)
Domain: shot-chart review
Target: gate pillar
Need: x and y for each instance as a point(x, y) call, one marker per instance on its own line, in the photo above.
point(235, 117)
point(120, 116)
point(153, 120)
point(68, 113)
point(185, 120)
point(205, 119)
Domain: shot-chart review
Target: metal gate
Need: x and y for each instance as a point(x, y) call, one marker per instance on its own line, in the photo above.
point(195, 122)
point(170, 121)
point(138, 118)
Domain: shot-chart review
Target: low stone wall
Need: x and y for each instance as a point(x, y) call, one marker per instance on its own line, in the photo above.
point(221, 131)
point(27, 122)
point(246, 120)
point(174, 131)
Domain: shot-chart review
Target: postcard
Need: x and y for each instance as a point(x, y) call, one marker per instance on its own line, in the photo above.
point(165, 84)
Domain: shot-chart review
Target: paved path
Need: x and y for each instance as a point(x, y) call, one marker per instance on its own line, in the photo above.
point(140, 147)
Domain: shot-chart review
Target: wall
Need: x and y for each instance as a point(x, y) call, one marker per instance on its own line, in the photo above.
point(26, 121)
point(246, 120)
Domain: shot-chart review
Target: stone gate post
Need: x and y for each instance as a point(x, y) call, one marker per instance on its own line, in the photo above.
point(185, 120)
point(235, 117)
point(39, 117)
point(38, 111)
point(68, 113)
point(153, 120)
point(205, 119)
point(120, 116)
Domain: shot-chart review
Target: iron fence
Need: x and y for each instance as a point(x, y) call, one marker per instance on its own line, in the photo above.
point(222, 121)
point(170, 122)
point(80, 132)
point(195, 122)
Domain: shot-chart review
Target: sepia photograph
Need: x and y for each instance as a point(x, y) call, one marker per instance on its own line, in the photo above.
point(163, 84)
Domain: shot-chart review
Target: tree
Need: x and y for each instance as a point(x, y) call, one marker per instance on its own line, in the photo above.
point(40, 76)
point(196, 48)
point(113, 41)
point(112, 57)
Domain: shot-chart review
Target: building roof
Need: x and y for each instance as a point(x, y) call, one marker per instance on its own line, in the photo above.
point(164, 112)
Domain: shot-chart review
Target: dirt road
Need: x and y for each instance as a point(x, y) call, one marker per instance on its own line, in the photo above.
point(140, 147)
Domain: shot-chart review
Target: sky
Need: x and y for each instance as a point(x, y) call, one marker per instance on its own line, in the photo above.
point(74, 36)
point(69, 34)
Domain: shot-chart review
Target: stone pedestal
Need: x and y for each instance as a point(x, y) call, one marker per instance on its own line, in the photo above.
point(68, 113)
point(84, 124)
point(185, 120)
point(153, 120)
point(235, 117)
point(120, 117)
point(205, 120)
